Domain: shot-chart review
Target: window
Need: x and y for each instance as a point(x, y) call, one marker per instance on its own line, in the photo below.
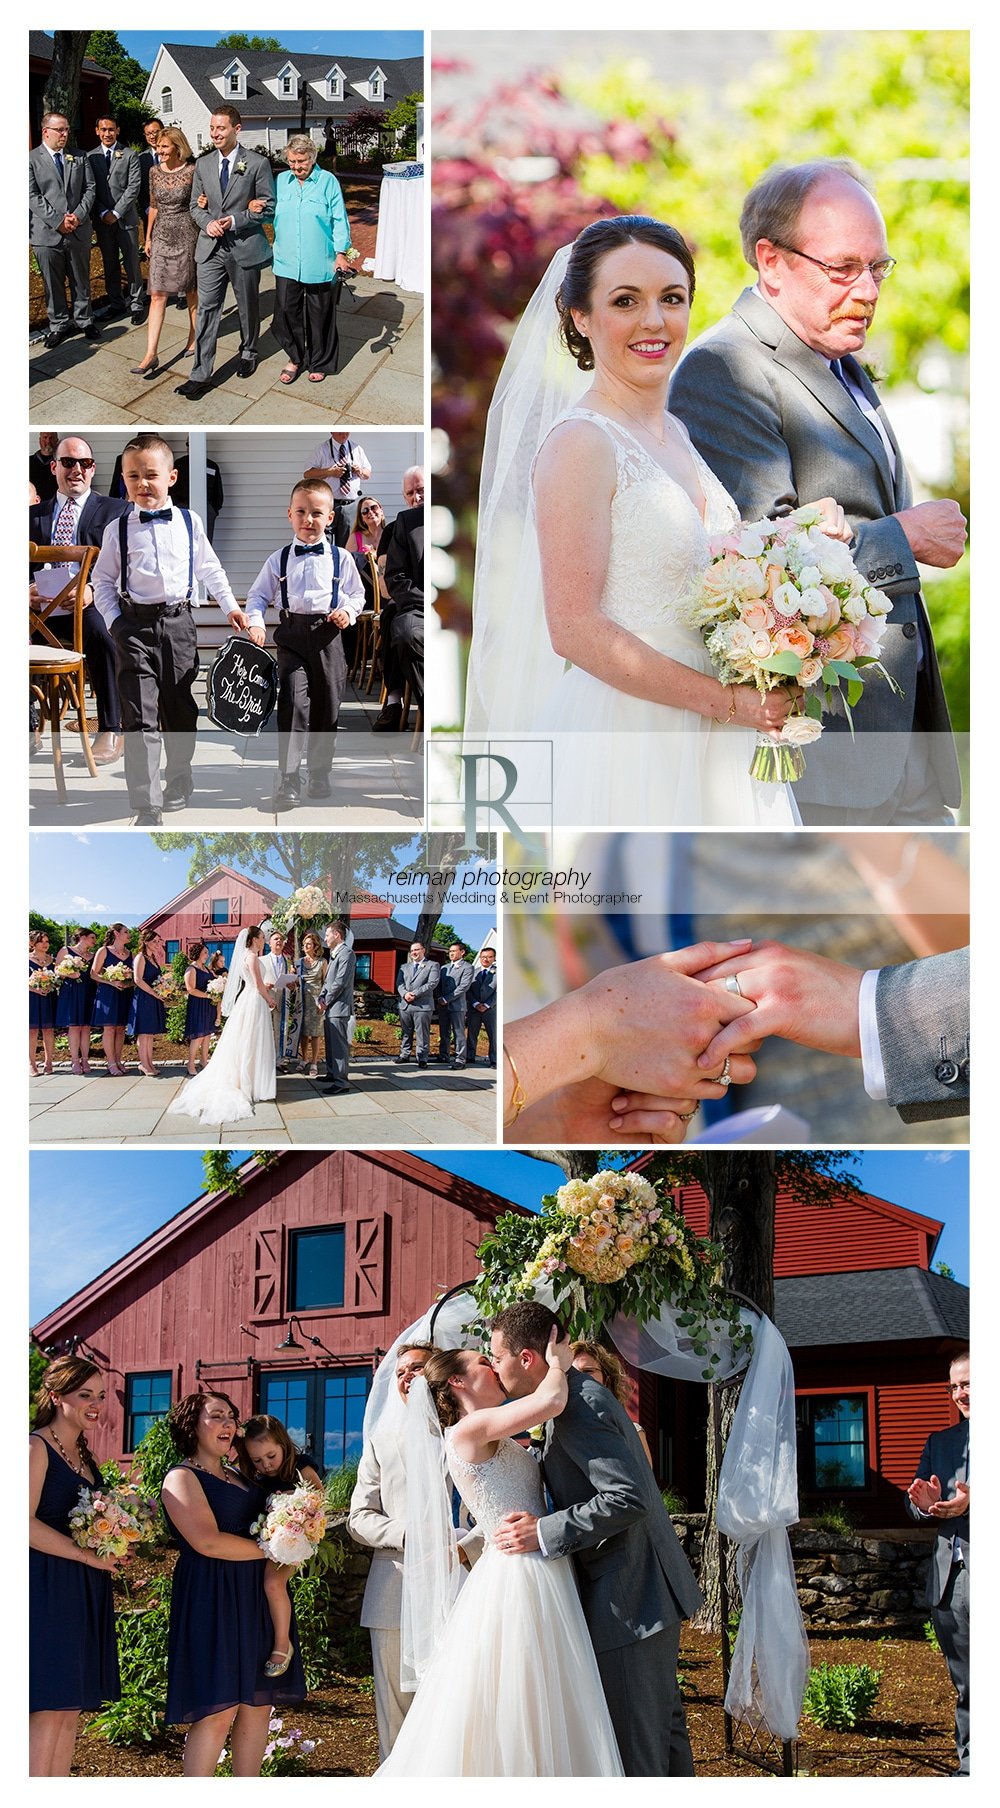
point(335, 85)
point(316, 1268)
point(172, 949)
point(147, 1399)
point(323, 1413)
point(362, 967)
point(166, 100)
point(234, 82)
point(832, 1441)
point(220, 910)
point(286, 85)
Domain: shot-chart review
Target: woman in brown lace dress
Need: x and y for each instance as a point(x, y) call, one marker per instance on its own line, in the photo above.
point(171, 236)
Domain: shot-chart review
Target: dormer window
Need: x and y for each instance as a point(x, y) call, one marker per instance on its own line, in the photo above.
point(335, 83)
point(288, 82)
point(376, 85)
point(234, 80)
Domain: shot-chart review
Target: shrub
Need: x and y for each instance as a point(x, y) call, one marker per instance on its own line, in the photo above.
point(312, 1598)
point(363, 1032)
point(839, 1695)
point(154, 1455)
point(836, 1518)
point(674, 1502)
point(392, 1018)
point(930, 1634)
point(137, 1718)
point(339, 1486)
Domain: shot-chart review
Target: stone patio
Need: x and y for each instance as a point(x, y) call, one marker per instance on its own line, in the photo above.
point(380, 382)
point(377, 780)
point(387, 1107)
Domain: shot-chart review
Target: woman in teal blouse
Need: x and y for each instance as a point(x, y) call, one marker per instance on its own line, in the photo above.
point(311, 240)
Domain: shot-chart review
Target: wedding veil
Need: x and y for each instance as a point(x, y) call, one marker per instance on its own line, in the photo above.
point(236, 976)
point(512, 664)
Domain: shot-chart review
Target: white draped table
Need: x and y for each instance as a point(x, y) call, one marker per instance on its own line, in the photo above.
point(399, 242)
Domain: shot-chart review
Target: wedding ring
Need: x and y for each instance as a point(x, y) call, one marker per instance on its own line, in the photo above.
point(725, 1078)
point(733, 985)
point(686, 1116)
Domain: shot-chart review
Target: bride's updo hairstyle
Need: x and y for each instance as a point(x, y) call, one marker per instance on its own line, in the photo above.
point(438, 1370)
point(254, 934)
point(592, 245)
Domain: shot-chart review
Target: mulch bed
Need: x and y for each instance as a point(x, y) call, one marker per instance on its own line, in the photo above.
point(911, 1735)
point(360, 197)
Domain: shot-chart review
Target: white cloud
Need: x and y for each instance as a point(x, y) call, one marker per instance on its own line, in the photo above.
point(84, 838)
point(87, 904)
point(939, 1156)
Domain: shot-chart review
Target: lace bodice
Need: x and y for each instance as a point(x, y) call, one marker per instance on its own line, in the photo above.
point(510, 1482)
point(659, 543)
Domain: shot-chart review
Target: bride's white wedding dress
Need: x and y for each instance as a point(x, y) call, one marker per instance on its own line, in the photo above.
point(624, 760)
point(242, 1068)
point(513, 1688)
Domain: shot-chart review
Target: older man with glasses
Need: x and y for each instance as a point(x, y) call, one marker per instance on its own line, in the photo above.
point(779, 404)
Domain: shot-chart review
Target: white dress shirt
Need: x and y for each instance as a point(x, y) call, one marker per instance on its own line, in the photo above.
point(310, 584)
point(158, 565)
point(327, 453)
point(872, 1067)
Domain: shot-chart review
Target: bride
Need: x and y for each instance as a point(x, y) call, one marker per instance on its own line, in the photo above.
point(242, 1069)
point(511, 1688)
point(595, 515)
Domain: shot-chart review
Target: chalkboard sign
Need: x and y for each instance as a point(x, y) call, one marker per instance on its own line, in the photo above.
point(242, 687)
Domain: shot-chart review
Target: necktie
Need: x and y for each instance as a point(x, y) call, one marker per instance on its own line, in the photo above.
point(838, 371)
point(107, 160)
point(224, 174)
point(65, 525)
point(155, 514)
point(308, 552)
point(59, 166)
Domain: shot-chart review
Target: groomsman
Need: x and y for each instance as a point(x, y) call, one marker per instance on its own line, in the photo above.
point(147, 161)
point(337, 1002)
point(939, 1494)
point(415, 988)
point(452, 1002)
point(232, 246)
point(60, 199)
point(116, 219)
point(483, 1008)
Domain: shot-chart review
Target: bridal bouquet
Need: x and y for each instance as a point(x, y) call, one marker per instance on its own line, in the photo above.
point(70, 967)
point(612, 1244)
point(119, 974)
point(112, 1521)
point(44, 982)
point(782, 600)
point(293, 1526)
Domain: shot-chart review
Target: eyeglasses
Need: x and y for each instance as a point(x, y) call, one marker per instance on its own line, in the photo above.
point(845, 274)
point(85, 464)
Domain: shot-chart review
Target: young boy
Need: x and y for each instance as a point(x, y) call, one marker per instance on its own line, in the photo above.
point(150, 560)
point(319, 589)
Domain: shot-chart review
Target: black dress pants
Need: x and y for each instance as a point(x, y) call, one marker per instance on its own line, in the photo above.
point(312, 674)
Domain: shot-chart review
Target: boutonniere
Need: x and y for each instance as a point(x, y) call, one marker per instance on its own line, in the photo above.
point(117, 155)
point(69, 158)
point(873, 373)
point(241, 167)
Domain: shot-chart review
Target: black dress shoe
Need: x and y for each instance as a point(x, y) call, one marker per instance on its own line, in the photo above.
point(138, 316)
point(192, 391)
point(286, 797)
point(177, 793)
point(422, 1063)
point(319, 785)
point(335, 1088)
point(148, 819)
point(246, 367)
point(92, 331)
point(57, 338)
point(458, 1064)
point(402, 1061)
point(389, 720)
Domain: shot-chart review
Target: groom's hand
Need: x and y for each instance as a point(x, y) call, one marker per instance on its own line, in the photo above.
point(803, 997)
point(517, 1533)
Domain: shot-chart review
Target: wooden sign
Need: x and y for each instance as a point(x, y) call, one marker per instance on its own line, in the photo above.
point(242, 687)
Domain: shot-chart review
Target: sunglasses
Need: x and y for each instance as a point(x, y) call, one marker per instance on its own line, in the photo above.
point(85, 464)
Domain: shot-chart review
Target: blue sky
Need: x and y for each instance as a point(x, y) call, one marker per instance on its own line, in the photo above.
point(106, 878)
point(89, 1206)
point(143, 45)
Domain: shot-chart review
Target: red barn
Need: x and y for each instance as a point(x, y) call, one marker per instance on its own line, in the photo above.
point(285, 1295)
point(95, 84)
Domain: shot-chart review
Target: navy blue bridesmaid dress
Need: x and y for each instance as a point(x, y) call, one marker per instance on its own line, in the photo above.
point(41, 1007)
point(74, 1003)
point(199, 1019)
point(72, 1651)
point(147, 1016)
point(111, 1006)
point(220, 1634)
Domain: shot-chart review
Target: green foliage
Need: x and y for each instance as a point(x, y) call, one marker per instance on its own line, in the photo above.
point(930, 1634)
point(153, 1456)
point(674, 1502)
point(943, 1268)
point(137, 1719)
point(363, 1032)
point(37, 1364)
point(128, 83)
point(112, 1474)
point(391, 1018)
point(241, 40)
point(445, 934)
point(402, 118)
point(47, 926)
point(338, 1487)
point(836, 1517)
point(315, 1612)
point(947, 599)
point(841, 1695)
point(365, 1685)
point(221, 1175)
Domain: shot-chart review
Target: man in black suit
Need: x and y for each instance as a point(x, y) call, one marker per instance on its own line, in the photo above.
point(40, 466)
point(403, 617)
point(940, 1492)
point(147, 158)
point(76, 517)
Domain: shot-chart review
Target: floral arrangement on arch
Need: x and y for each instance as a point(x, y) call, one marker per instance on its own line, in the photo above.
point(610, 1245)
point(308, 901)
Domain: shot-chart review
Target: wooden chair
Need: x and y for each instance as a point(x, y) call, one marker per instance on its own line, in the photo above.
point(57, 673)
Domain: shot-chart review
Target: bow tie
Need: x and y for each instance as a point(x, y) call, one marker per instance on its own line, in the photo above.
point(309, 552)
point(155, 514)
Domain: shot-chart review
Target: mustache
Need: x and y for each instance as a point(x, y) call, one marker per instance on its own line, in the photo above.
point(855, 313)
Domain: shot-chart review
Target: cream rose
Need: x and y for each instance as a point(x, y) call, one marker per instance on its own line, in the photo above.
point(800, 730)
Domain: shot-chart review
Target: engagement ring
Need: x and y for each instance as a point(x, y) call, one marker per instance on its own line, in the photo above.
point(725, 1078)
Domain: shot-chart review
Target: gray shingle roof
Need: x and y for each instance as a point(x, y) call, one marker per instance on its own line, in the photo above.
point(881, 1305)
point(380, 929)
point(200, 62)
point(40, 44)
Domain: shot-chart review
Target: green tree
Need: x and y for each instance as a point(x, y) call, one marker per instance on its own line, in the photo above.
point(241, 40)
point(346, 860)
point(62, 86)
point(37, 1364)
point(47, 926)
point(128, 84)
point(402, 118)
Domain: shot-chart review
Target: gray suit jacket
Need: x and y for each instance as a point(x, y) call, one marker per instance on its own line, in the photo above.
point(922, 1012)
point(120, 189)
point(245, 239)
point(634, 1578)
point(421, 978)
point(454, 983)
point(49, 199)
point(770, 418)
point(338, 986)
point(946, 1455)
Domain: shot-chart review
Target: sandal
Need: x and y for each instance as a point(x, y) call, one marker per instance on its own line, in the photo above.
point(290, 374)
point(278, 1662)
point(317, 376)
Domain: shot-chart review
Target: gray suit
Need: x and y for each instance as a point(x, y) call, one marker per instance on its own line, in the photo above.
point(237, 257)
point(452, 1004)
point(636, 1585)
point(117, 191)
point(420, 978)
point(946, 1455)
point(773, 422)
point(63, 258)
point(483, 991)
point(338, 991)
point(922, 1013)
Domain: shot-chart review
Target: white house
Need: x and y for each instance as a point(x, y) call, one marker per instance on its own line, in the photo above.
point(276, 92)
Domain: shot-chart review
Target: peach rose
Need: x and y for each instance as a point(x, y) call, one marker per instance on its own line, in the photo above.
point(796, 639)
point(840, 644)
point(756, 616)
point(812, 670)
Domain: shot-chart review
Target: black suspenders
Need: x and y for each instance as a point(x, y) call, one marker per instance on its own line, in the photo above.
point(123, 589)
point(283, 578)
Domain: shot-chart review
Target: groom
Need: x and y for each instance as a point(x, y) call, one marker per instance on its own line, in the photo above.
point(232, 195)
point(635, 1583)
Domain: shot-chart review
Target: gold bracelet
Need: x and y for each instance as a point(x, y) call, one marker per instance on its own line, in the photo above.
point(518, 1098)
point(732, 706)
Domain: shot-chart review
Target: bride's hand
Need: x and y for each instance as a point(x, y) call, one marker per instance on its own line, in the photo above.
point(834, 522)
point(559, 1351)
point(585, 1111)
point(765, 713)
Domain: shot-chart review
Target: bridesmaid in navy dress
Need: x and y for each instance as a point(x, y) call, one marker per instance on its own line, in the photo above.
point(73, 1657)
point(76, 1000)
point(148, 1014)
point(200, 1016)
point(41, 1006)
point(112, 1002)
point(220, 1628)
